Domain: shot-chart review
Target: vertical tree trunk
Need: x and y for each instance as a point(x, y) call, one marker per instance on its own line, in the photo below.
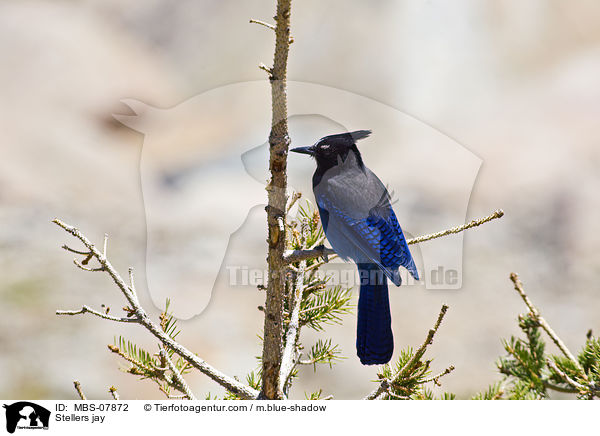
point(278, 141)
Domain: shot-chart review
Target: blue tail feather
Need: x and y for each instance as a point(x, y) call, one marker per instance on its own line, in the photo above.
point(374, 339)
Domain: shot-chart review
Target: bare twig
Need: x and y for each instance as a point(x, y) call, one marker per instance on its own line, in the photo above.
point(105, 245)
point(475, 223)
point(140, 317)
point(277, 199)
point(544, 324)
point(132, 285)
point(80, 265)
point(83, 253)
point(79, 390)
point(292, 256)
point(289, 356)
point(269, 26)
point(262, 23)
point(293, 200)
point(266, 69)
point(385, 384)
point(557, 388)
point(578, 386)
point(177, 377)
point(87, 309)
point(435, 379)
point(113, 391)
point(397, 397)
point(101, 259)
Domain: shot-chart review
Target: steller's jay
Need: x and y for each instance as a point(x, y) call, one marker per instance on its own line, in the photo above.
point(360, 224)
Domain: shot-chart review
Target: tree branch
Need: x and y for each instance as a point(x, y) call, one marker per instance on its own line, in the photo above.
point(140, 317)
point(87, 309)
point(557, 388)
point(578, 386)
point(113, 391)
point(293, 200)
point(177, 377)
point(292, 256)
point(435, 379)
point(79, 390)
point(544, 324)
point(262, 23)
point(266, 69)
point(277, 200)
point(385, 384)
point(289, 356)
point(474, 223)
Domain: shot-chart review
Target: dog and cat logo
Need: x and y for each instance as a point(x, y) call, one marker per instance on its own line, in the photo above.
point(26, 415)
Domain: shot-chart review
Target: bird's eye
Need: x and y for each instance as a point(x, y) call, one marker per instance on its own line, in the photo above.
point(324, 146)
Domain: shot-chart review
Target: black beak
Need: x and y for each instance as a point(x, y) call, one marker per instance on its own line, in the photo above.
point(304, 150)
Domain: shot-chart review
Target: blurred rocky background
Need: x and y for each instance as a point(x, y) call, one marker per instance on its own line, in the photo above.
point(517, 84)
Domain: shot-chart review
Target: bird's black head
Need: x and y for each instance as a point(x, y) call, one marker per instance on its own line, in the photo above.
point(329, 150)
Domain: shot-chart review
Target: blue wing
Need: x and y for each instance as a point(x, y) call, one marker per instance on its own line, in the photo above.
point(375, 237)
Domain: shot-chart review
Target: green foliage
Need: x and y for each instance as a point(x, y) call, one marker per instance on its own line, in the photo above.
point(589, 358)
point(447, 396)
point(409, 384)
point(494, 392)
point(153, 366)
point(324, 351)
point(168, 323)
point(141, 361)
point(408, 377)
point(314, 231)
point(526, 360)
point(531, 373)
point(254, 380)
point(314, 395)
point(322, 305)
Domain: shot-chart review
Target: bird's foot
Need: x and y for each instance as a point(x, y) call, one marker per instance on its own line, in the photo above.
point(321, 248)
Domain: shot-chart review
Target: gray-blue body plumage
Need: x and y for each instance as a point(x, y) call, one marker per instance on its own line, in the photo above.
point(361, 226)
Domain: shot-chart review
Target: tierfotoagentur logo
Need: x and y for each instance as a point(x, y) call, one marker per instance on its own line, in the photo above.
point(342, 275)
point(26, 415)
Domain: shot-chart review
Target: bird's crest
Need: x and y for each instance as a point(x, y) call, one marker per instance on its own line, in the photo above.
point(348, 136)
point(360, 134)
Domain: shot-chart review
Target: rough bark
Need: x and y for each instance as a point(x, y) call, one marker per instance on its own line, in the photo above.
point(277, 199)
